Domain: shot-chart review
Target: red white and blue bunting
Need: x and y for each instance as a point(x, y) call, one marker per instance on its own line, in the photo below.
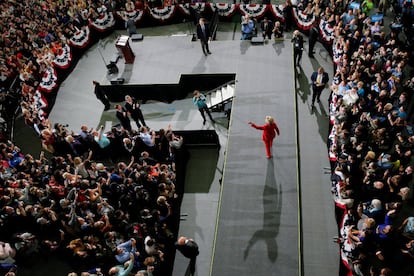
point(104, 22)
point(348, 247)
point(224, 9)
point(162, 14)
point(49, 80)
point(326, 31)
point(303, 20)
point(81, 38)
point(40, 100)
point(135, 15)
point(64, 59)
point(277, 11)
point(337, 52)
point(254, 10)
point(198, 7)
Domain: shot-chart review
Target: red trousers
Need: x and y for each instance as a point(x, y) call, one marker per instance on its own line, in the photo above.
point(268, 145)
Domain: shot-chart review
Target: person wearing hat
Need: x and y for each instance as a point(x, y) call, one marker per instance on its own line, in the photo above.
point(270, 129)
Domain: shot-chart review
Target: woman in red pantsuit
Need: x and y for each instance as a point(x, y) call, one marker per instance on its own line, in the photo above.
point(270, 129)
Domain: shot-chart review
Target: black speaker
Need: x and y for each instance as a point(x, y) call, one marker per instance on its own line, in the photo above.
point(137, 37)
point(118, 81)
point(112, 68)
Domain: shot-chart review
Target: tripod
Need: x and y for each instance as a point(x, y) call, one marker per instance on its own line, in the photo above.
point(112, 68)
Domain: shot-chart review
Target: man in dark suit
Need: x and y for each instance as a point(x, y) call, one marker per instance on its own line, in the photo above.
point(134, 109)
point(189, 249)
point(266, 26)
point(100, 95)
point(204, 35)
point(319, 79)
point(297, 41)
point(123, 118)
point(313, 37)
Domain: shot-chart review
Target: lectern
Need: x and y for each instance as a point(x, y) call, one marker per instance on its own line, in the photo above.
point(123, 45)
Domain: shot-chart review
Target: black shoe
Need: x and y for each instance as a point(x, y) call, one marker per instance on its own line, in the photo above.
point(204, 122)
point(313, 105)
point(205, 54)
point(311, 56)
point(209, 53)
point(213, 121)
point(319, 100)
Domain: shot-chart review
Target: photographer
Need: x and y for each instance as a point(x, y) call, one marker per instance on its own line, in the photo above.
point(199, 100)
point(297, 41)
point(247, 27)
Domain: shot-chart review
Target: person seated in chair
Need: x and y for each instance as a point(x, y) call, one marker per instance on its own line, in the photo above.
point(247, 27)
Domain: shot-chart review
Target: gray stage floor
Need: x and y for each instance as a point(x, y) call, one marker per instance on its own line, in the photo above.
point(250, 226)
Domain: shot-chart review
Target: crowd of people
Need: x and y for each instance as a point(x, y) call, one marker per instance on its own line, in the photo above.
point(371, 140)
point(78, 207)
point(115, 218)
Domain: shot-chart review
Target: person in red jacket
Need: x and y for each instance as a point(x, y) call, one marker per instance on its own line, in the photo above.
point(270, 129)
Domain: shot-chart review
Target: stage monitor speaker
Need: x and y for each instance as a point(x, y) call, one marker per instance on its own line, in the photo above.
point(137, 37)
point(257, 40)
point(118, 81)
point(112, 68)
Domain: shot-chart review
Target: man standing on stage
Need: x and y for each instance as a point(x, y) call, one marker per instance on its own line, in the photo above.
point(297, 41)
point(189, 249)
point(319, 80)
point(199, 100)
point(134, 110)
point(100, 95)
point(123, 118)
point(313, 37)
point(204, 35)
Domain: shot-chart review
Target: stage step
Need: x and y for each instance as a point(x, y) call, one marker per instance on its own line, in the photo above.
point(218, 98)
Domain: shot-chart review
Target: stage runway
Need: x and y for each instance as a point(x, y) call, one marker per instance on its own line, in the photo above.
point(249, 224)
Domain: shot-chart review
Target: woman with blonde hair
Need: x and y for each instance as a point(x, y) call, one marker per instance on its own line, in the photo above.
point(270, 129)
